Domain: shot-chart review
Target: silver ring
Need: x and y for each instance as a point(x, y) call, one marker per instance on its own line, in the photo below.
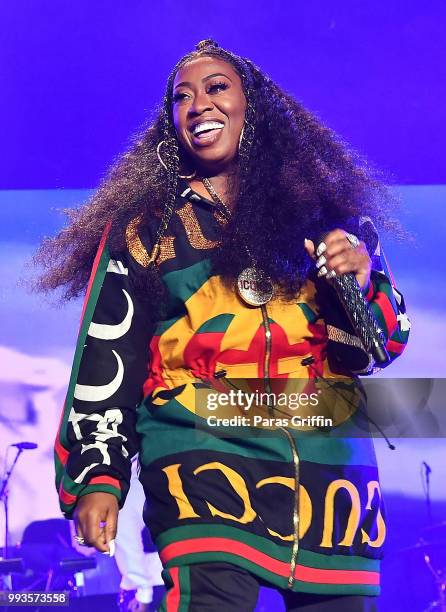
point(80, 540)
point(354, 241)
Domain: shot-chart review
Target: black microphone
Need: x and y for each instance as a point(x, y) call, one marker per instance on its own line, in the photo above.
point(25, 445)
point(360, 314)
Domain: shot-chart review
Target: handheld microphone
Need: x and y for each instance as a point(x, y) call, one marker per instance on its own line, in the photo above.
point(360, 314)
point(25, 445)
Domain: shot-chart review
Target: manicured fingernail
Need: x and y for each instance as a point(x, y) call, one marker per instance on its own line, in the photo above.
point(322, 271)
point(321, 261)
point(331, 274)
point(112, 548)
point(321, 248)
point(307, 242)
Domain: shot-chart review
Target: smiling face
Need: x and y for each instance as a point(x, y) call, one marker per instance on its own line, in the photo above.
point(208, 112)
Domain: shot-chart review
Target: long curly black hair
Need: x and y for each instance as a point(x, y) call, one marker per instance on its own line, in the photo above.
point(296, 179)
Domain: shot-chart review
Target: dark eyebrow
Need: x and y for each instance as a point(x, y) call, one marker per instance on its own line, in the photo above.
point(206, 78)
point(211, 76)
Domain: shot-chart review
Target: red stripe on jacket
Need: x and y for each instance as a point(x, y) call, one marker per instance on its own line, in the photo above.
point(95, 269)
point(173, 594)
point(307, 574)
point(107, 480)
point(384, 303)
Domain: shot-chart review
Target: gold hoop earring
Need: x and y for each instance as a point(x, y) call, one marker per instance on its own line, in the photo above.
point(183, 176)
point(159, 154)
point(188, 176)
point(241, 137)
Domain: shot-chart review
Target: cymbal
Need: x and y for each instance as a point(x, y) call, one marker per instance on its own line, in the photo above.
point(440, 527)
point(423, 545)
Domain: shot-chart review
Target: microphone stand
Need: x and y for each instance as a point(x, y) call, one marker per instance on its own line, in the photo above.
point(427, 473)
point(4, 497)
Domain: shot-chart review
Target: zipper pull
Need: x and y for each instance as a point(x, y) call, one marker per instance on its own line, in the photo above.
point(307, 361)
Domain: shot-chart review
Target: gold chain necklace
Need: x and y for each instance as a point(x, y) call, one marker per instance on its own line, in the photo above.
point(253, 285)
point(214, 195)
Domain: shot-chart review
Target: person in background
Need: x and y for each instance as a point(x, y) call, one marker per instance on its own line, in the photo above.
point(140, 570)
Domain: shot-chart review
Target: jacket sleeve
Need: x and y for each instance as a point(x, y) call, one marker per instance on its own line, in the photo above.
point(386, 301)
point(345, 351)
point(97, 432)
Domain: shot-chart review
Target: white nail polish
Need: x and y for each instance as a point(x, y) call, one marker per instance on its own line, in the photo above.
point(112, 548)
point(322, 271)
point(321, 248)
point(321, 261)
point(331, 274)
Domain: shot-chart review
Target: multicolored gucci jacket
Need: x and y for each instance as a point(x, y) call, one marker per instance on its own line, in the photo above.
point(301, 510)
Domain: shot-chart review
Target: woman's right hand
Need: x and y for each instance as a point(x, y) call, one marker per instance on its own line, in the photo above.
point(96, 519)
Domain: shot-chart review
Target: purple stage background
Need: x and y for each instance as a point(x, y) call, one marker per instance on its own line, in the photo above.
point(78, 81)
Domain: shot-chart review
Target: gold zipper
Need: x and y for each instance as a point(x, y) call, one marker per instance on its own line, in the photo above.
point(266, 364)
point(267, 351)
point(295, 548)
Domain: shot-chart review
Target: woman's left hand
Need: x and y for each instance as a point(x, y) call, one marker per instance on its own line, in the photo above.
point(336, 255)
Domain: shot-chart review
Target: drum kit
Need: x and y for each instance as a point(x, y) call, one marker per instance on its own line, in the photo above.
point(45, 559)
point(430, 545)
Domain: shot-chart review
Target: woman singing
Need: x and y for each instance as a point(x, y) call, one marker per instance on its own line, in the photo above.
point(205, 277)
